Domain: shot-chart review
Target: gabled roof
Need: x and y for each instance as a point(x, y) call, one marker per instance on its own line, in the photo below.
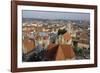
point(67, 36)
point(28, 44)
point(51, 52)
point(65, 52)
point(60, 55)
point(84, 35)
point(59, 52)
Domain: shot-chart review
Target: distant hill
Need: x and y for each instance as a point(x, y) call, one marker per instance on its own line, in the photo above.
point(78, 22)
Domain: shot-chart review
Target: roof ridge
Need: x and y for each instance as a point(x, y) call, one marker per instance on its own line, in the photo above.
point(62, 50)
point(64, 53)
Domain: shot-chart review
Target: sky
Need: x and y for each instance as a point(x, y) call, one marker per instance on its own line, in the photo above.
point(55, 15)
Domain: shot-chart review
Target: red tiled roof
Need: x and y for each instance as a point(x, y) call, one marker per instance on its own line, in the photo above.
point(65, 52)
point(60, 52)
point(28, 44)
point(60, 55)
point(67, 36)
point(84, 35)
point(68, 51)
point(51, 51)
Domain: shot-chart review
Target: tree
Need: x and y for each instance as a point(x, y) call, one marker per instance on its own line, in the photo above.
point(61, 31)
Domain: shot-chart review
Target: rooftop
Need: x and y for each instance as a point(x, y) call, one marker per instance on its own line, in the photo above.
point(60, 52)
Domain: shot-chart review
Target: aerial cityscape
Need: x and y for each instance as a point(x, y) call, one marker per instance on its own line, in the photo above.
point(52, 36)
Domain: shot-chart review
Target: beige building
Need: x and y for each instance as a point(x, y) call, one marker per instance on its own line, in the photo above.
point(65, 39)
